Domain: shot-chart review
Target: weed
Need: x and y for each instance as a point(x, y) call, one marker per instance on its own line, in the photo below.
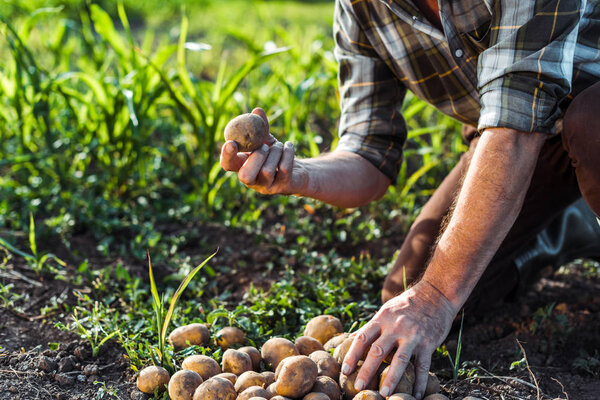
point(162, 318)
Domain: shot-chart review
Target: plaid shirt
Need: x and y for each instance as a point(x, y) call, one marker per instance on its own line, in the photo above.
point(498, 63)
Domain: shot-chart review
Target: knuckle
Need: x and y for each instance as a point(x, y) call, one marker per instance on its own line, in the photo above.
point(245, 178)
point(376, 350)
point(268, 173)
point(402, 357)
point(361, 338)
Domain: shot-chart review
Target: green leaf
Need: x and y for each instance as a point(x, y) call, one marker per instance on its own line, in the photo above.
point(178, 293)
point(32, 243)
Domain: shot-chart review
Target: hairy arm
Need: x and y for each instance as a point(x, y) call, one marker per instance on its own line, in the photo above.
point(417, 321)
point(488, 204)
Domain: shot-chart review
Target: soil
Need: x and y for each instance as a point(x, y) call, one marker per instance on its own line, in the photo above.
point(556, 322)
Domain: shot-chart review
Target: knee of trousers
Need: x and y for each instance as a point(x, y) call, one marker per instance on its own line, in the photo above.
point(581, 127)
point(581, 139)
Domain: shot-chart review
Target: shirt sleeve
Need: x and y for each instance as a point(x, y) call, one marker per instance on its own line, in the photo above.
point(371, 124)
point(527, 70)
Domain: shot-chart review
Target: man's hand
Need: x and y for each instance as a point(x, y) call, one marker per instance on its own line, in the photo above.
point(272, 169)
point(412, 324)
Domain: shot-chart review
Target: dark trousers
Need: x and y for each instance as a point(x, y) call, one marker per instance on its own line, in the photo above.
point(568, 168)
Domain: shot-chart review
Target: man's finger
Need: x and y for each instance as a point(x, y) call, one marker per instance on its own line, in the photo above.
point(422, 364)
point(362, 340)
point(269, 168)
point(261, 113)
point(378, 351)
point(286, 164)
point(231, 160)
point(249, 171)
point(397, 367)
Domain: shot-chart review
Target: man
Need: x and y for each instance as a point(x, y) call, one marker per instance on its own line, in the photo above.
point(525, 73)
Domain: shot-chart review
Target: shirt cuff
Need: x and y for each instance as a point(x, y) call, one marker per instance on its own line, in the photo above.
point(518, 103)
point(385, 156)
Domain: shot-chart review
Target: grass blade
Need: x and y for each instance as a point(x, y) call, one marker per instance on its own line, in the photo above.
point(178, 293)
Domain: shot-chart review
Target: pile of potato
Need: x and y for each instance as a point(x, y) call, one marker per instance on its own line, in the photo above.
point(304, 370)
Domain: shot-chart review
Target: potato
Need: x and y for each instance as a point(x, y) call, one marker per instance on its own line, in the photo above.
point(153, 378)
point(236, 362)
point(297, 376)
point(276, 349)
point(368, 395)
point(215, 389)
point(280, 398)
point(347, 383)
point(401, 396)
point(228, 336)
point(253, 391)
point(433, 385)
point(316, 396)
point(436, 396)
point(227, 375)
point(326, 364)
point(471, 398)
point(323, 328)
point(254, 356)
point(335, 341)
point(406, 383)
point(269, 377)
point(307, 345)
point(340, 352)
point(272, 389)
point(248, 130)
point(189, 335)
point(258, 398)
point(248, 379)
point(183, 384)
point(205, 366)
point(325, 384)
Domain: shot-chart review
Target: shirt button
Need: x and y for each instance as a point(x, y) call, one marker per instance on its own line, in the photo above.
point(458, 53)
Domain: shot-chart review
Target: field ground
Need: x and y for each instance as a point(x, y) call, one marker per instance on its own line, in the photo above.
point(556, 322)
point(111, 120)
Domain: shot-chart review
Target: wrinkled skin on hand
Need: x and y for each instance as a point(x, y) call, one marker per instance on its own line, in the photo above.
point(271, 169)
point(414, 323)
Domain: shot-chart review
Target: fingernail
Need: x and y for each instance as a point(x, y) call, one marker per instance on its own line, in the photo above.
point(264, 148)
point(345, 369)
point(359, 384)
point(385, 391)
point(229, 148)
point(289, 144)
point(418, 396)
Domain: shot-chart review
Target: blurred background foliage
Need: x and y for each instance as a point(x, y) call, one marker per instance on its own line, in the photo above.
point(111, 118)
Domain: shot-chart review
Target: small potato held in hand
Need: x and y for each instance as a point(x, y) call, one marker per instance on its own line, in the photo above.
point(249, 131)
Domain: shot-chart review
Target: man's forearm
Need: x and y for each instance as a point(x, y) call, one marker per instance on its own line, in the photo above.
point(487, 206)
point(343, 179)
